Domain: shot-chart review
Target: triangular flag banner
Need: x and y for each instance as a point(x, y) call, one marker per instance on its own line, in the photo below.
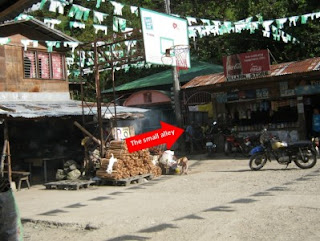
point(23, 16)
point(280, 22)
point(72, 45)
point(293, 20)
point(79, 12)
point(119, 24)
point(100, 28)
point(117, 8)
point(26, 42)
point(191, 20)
point(134, 10)
point(57, 5)
point(4, 41)
point(99, 17)
point(51, 44)
point(73, 24)
point(51, 22)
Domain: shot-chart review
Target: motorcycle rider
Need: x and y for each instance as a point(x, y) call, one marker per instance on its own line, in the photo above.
point(264, 136)
point(189, 137)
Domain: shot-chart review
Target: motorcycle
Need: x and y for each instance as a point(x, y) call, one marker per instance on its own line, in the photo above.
point(236, 144)
point(211, 147)
point(302, 153)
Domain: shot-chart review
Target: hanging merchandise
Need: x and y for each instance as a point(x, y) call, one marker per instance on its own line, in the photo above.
point(249, 114)
point(206, 108)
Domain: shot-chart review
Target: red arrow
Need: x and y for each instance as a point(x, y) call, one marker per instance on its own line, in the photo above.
point(167, 134)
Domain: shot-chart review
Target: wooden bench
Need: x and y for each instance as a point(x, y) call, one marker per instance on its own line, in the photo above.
point(20, 176)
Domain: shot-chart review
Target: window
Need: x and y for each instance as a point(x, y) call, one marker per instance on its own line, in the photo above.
point(43, 65)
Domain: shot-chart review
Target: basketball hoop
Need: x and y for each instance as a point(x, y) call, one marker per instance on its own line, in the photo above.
point(177, 56)
point(181, 53)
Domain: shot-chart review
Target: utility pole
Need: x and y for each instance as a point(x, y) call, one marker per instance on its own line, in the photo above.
point(176, 82)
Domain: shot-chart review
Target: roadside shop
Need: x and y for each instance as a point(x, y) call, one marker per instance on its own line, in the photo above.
point(281, 96)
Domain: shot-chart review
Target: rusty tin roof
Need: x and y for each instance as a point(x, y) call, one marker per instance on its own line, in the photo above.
point(296, 67)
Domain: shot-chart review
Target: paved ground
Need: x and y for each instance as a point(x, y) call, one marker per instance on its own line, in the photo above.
point(221, 199)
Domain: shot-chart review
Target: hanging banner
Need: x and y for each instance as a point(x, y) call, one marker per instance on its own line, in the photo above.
point(247, 65)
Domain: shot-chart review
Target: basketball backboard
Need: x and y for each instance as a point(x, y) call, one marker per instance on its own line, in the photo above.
point(161, 32)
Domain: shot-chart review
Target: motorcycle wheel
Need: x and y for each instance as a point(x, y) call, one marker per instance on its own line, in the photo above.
point(257, 161)
point(306, 159)
point(227, 148)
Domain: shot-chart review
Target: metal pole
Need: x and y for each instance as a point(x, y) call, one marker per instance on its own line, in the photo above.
point(176, 82)
point(98, 97)
point(176, 91)
point(167, 6)
point(115, 125)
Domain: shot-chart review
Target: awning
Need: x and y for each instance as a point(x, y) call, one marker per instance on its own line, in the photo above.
point(39, 109)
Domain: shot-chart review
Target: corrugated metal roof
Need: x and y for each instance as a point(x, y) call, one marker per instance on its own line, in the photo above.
point(295, 67)
point(9, 9)
point(165, 77)
point(40, 27)
point(38, 109)
point(204, 80)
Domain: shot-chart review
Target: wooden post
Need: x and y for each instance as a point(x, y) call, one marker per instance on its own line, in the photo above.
point(3, 157)
point(98, 96)
point(6, 152)
point(87, 133)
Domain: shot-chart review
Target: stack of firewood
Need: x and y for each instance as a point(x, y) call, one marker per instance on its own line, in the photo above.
point(127, 164)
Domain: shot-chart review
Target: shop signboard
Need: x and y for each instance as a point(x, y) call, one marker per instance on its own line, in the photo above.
point(246, 65)
point(307, 90)
point(233, 96)
point(262, 93)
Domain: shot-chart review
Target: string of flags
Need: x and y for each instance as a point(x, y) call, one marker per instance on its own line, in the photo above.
point(196, 27)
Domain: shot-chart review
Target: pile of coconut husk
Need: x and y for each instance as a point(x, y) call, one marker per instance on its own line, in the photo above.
point(120, 164)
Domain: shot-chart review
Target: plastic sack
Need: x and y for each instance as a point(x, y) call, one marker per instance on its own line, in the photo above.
point(10, 223)
point(167, 158)
point(112, 160)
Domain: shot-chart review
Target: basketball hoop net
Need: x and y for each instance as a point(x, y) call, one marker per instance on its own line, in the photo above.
point(179, 53)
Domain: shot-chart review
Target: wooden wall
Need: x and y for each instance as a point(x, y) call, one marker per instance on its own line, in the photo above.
point(11, 70)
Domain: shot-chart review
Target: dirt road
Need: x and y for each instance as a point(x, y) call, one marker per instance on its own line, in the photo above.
point(221, 199)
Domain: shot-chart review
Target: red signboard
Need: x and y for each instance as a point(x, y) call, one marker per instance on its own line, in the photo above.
point(246, 65)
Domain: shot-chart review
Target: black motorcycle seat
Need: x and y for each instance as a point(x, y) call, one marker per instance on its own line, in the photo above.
point(299, 143)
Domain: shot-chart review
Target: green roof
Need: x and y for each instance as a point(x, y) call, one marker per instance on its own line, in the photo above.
point(198, 68)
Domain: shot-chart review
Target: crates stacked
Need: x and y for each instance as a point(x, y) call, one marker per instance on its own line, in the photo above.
point(127, 164)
